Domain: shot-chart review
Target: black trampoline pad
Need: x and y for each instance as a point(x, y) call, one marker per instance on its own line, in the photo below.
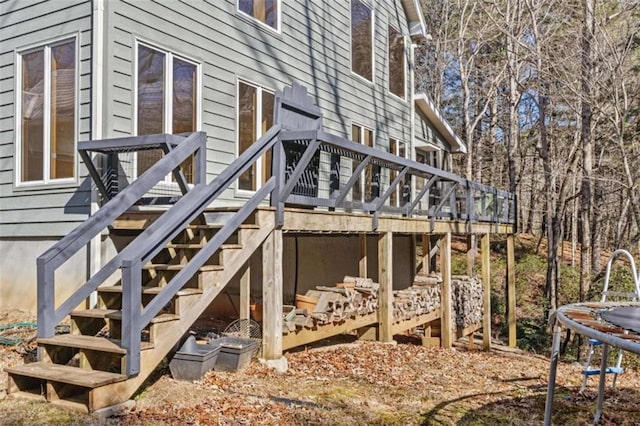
point(627, 317)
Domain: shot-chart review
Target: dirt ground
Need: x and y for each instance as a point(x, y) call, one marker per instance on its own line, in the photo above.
point(357, 383)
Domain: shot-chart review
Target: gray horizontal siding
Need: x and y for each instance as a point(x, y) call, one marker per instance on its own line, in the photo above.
point(46, 210)
point(314, 49)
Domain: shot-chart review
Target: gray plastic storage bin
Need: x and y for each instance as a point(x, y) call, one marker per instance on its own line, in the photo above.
point(235, 352)
point(193, 360)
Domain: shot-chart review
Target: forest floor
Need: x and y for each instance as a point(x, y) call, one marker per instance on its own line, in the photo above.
point(357, 383)
point(347, 382)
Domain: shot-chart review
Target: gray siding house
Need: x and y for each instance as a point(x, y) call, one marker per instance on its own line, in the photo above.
point(161, 160)
point(74, 70)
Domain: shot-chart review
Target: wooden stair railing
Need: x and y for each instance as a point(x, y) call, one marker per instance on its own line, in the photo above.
point(180, 270)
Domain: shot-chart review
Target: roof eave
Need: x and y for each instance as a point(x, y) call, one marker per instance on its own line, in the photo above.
point(415, 18)
point(424, 103)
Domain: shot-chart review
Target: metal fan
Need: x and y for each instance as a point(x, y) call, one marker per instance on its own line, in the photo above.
point(244, 328)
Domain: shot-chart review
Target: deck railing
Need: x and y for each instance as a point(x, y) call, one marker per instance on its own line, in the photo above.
point(309, 168)
point(322, 169)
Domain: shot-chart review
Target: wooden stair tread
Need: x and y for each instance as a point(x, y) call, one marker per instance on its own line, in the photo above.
point(219, 226)
point(93, 343)
point(92, 313)
point(199, 246)
point(170, 267)
point(65, 374)
point(183, 292)
point(117, 315)
point(150, 290)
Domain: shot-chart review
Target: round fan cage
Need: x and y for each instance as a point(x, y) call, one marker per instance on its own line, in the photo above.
point(244, 328)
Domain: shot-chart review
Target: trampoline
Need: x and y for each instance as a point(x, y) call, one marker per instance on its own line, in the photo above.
point(614, 324)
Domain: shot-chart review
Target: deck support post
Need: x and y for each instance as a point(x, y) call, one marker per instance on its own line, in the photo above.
point(445, 303)
point(385, 277)
point(472, 246)
point(272, 296)
point(245, 291)
point(511, 290)
point(362, 264)
point(426, 254)
point(485, 251)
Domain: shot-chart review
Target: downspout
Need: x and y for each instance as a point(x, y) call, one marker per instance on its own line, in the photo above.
point(94, 250)
point(412, 120)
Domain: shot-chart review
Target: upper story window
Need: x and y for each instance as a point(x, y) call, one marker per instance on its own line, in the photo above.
point(367, 188)
point(265, 11)
point(255, 117)
point(362, 39)
point(47, 113)
point(397, 73)
point(399, 195)
point(167, 100)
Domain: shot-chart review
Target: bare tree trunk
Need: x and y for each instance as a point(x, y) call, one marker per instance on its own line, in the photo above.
point(587, 148)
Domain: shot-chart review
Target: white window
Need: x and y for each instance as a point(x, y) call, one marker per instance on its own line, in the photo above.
point(365, 189)
point(362, 39)
point(265, 11)
point(399, 194)
point(167, 100)
point(397, 73)
point(46, 111)
point(255, 117)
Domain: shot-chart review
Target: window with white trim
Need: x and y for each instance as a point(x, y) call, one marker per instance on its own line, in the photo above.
point(364, 190)
point(264, 11)
point(399, 194)
point(362, 39)
point(255, 117)
point(167, 100)
point(47, 125)
point(397, 73)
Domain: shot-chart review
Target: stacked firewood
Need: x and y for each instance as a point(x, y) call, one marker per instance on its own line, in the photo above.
point(466, 295)
point(357, 296)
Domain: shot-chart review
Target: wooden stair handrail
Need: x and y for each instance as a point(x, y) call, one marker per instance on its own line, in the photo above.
point(69, 245)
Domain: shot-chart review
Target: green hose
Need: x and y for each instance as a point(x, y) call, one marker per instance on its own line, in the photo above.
point(12, 341)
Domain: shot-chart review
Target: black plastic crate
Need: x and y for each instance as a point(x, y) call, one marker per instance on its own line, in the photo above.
point(235, 352)
point(193, 360)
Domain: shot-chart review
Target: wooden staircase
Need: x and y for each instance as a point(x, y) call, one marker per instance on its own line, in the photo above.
point(86, 368)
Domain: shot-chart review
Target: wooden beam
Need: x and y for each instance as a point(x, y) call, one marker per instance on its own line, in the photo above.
point(245, 291)
point(321, 221)
point(385, 277)
point(309, 335)
point(485, 251)
point(272, 296)
point(426, 254)
point(471, 254)
point(445, 269)
point(511, 290)
point(362, 264)
point(405, 325)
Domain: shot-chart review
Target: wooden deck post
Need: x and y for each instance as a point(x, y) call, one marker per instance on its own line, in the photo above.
point(471, 254)
point(511, 290)
point(272, 296)
point(385, 277)
point(362, 264)
point(426, 254)
point(245, 291)
point(485, 251)
point(445, 269)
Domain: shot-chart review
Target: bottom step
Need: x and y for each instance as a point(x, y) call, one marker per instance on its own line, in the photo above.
point(71, 387)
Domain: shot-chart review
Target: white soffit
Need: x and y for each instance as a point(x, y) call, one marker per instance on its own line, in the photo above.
point(415, 17)
point(424, 103)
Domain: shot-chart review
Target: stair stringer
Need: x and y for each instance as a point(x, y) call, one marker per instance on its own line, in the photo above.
point(213, 284)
